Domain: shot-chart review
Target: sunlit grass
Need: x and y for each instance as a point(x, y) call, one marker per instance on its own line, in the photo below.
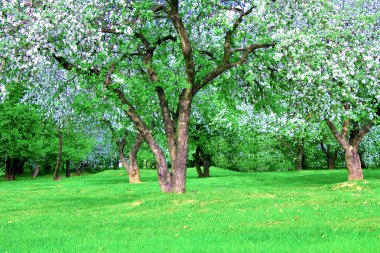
point(308, 211)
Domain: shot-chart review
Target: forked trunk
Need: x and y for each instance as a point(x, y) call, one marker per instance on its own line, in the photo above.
point(131, 168)
point(164, 177)
point(124, 162)
point(351, 147)
point(133, 171)
point(202, 159)
point(353, 164)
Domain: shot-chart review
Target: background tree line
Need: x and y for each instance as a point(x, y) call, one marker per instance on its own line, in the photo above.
point(242, 84)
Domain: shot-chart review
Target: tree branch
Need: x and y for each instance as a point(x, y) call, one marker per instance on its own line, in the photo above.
point(174, 5)
point(228, 36)
point(164, 39)
point(169, 123)
point(226, 66)
point(359, 137)
point(186, 46)
point(160, 8)
point(343, 142)
point(109, 30)
point(209, 54)
point(69, 66)
point(284, 143)
point(323, 148)
point(345, 126)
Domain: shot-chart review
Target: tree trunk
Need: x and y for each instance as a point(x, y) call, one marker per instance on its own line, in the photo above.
point(124, 162)
point(331, 156)
point(353, 165)
point(19, 166)
point(351, 146)
point(169, 126)
point(361, 155)
point(202, 159)
point(164, 177)
point(56, 176)
point(198, 161)
point(206, 165)
point(35, 172)
point(68, 173)
point(47, 168)
point(300, 157)
point(78, 169)
point(131, 168)
point(179, 175)
point(330, 163)
point(133, 171)
point(10, 173)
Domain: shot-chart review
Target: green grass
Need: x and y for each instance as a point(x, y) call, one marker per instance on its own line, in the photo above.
point(308, 211)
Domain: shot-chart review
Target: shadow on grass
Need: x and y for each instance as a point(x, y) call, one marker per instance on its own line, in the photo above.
point(315, 178)
point(310, 180)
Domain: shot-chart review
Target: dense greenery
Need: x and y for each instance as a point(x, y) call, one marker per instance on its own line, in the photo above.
point(172, 91)
point(247, 85)
point(308, 211)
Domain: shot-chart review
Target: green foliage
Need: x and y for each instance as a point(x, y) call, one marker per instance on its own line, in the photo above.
point(371, 148)
point(308, 211)
point(325, 65)
point(23, 133)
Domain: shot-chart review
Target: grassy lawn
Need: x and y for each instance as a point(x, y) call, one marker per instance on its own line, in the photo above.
point(308, 211)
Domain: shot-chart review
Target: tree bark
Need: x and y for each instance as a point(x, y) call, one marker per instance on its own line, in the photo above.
point(179, 175)
point(331, 162)
point(124, 162)
point(164, 177)
point(56, 176)
point(19, 166)
point(361, 155)
point(206, 165)
point(68, 173)
point(300, 156)
point(133, 171)
point(131, 168)
point(10, 173)
point(169, 126)
point(35, 172)
point(353, 165)
point(197, 161)
point(201, 159)
point(296, 151)
point(78, 169)
point(331, 156)
point(351, 146)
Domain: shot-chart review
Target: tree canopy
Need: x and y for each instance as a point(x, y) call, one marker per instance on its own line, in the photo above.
point(135, 62)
